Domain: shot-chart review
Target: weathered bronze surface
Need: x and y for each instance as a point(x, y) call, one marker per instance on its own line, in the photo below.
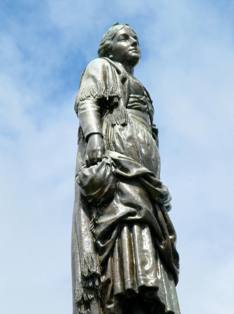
point(124, 258)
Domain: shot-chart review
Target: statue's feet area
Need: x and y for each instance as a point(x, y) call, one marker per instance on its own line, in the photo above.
point(138, 305)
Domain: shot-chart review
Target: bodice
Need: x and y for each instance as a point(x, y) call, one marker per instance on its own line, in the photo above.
point(139, 103)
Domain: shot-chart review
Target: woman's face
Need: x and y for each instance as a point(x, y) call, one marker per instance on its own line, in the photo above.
point(125, 47)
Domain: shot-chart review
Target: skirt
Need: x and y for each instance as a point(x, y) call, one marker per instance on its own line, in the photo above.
point(133, 266)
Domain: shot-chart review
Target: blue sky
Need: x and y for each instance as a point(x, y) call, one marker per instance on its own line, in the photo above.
point(188, 67)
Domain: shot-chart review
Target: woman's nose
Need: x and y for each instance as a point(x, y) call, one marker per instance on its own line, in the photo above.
point(134, 41)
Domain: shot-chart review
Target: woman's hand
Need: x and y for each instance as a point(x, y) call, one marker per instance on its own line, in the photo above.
point(94, 149)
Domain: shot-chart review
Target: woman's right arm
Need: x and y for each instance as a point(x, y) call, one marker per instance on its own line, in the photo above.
point(88, 109)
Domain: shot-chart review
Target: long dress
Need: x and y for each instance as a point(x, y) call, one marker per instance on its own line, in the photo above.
point(133, 237)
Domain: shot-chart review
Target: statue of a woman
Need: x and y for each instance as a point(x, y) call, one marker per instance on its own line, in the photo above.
point(124, 258)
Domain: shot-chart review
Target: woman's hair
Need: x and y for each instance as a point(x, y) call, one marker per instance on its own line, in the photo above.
point(105, 45)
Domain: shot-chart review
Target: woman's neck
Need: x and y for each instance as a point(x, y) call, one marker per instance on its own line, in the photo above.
point(128, 68)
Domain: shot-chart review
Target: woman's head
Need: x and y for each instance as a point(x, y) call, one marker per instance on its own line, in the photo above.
point(120, 43)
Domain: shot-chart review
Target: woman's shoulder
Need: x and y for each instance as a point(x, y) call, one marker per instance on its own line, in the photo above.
point(97, 65)
point(104, 64)
point(96, 71)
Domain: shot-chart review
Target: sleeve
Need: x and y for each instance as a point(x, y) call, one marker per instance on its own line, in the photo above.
point(97, 82)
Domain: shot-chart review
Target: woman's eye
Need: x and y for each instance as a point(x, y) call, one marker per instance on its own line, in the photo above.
point(124, 37)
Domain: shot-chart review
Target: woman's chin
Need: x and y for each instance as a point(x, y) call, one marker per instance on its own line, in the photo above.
point(134, 59)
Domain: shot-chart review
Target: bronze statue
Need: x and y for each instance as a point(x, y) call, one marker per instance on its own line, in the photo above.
point(124, 258)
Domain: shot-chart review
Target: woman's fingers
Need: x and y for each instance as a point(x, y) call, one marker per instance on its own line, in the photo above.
point(99, 154)
point(94, 156)
point(94, 149)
